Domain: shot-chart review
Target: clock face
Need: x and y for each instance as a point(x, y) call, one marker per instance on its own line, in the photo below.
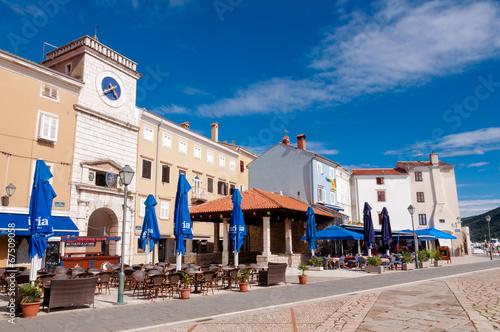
point(110, 88)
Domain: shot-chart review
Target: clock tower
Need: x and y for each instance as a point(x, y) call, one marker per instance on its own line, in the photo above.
point(107, 126)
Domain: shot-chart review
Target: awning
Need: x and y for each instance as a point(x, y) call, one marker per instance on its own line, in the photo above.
point(62, 225)
point(332, 207)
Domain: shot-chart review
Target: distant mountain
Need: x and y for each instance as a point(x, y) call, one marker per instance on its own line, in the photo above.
point(479, 227)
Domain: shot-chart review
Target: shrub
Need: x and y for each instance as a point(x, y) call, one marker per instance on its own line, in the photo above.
point(407, 257)
point(29, 293)
point(423, 255)
point(243, 275)
point(436, 255)
point(316, 261)
point(303, 267)
point(374, 261)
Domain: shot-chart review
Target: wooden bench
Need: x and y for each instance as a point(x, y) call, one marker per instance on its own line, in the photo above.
point(275, 273)
point(70, 292)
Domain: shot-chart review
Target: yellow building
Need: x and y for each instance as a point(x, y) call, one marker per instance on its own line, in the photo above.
point(214, 170)
point(38, 122)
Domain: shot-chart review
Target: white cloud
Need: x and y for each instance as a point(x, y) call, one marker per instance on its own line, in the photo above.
point(474, 207)
point(463, 185)
point(193, 91)
point(22, 7)
point(476, 142)
point(402, 44)
point(479, 164)
point(361, 166)
point(320, 148)
point(171, 109)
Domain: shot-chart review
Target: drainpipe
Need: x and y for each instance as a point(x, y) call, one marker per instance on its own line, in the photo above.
point(155, 251)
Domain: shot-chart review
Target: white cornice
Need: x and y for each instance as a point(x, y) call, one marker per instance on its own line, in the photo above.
point(106, 117)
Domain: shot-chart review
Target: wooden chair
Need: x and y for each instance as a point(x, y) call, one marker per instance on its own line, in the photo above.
point(155, 285)
point(104, 280)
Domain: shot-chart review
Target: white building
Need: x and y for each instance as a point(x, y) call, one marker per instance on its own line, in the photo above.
point(386, 187)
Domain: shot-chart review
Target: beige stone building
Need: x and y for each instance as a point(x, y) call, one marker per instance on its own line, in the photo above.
point(214, 170)
point(38, 122)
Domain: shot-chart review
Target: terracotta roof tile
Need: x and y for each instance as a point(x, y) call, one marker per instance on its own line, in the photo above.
point(378, 171)
point(256, 199)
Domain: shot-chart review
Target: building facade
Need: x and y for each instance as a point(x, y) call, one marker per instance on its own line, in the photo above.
point(105, 137)
point(303, 175)
point(38, 122)
point(214, 170)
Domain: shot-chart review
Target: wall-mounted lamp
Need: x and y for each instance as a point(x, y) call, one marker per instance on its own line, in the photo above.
point(10, 190)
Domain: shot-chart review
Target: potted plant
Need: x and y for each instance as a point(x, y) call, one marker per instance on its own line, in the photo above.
point(407, 260)
point(423, 258)
point(303, 277)
point(30, 299)
point(374, 264)
point(243, 276)
point(436, 256)
point(317, 263)
point(186, 279)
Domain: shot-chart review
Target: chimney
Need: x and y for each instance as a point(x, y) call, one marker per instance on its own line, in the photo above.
point(215, 131)
point(285, 140)
point(434, 159)
point(301, 141)
point(232, 143)
point(185, 125)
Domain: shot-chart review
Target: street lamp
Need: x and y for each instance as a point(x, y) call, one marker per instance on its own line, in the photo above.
point(9, 190)
point(411, 209)
point(488, 219)
point(126, 175)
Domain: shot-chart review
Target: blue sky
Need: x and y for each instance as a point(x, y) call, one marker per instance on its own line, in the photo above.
point(365, 81)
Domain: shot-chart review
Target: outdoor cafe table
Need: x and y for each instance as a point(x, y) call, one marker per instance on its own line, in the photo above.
point(196, 275)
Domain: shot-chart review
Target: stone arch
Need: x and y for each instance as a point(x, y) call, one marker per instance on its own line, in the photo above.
point(102, 222)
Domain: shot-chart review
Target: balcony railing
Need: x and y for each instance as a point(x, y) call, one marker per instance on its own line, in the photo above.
point(199, 195)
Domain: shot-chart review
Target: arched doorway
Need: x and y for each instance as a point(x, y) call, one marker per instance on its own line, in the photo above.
point(103, 222)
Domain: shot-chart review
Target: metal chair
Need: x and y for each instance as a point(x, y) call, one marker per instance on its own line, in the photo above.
point(104, 280)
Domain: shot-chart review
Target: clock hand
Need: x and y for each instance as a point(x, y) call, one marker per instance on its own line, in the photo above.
point(114, 92)
point(111, 88)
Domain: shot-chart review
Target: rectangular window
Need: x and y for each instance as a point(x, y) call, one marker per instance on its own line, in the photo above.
point(232, 165)
point(50, 92)
point(210, 157)
point(319, 168)
point(48, 125)
point(164, 210)
point(210, 185)
point(142, 208)
point(221, 188)
point(380, 180)
point(332, 196)
point(381, 196)
point(422, 219)
point(139, 247)
point(331, 172)
point(146, 169)
point(242, 166)
point(242, 187)
point(420, 197)
point(183, 147)
point(148, 133)
point(441, 221)
point(222, 161)
point(181, 171)
point(418, 176)
point(231, 189)
point(380, 218)
point(197, 152)
point(165, 174)
point(321, 195)
point(166, 141)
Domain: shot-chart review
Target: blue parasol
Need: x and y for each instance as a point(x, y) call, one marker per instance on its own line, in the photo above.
point(386, 230)
point(369, 232)
point(237, 230)
point(40, 215)
point(150, 233)
point(336, 233)
point(182, 218)
point(311, 230)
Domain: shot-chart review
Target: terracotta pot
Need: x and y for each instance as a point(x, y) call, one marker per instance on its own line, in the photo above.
point(185, 293)
point(243, 286)
point(302, 279)
point(31, 309)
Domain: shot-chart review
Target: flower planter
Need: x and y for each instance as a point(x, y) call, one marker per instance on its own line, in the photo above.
point(185, 293)
point(31, 309)
point(316, 268)
point(423, 265)
point(374, 269)
point(408, 266)
point(243, 286)
point(437, 263)
point(302, 279)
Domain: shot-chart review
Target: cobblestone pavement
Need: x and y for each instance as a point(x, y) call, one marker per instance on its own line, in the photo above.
point(466, 303)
